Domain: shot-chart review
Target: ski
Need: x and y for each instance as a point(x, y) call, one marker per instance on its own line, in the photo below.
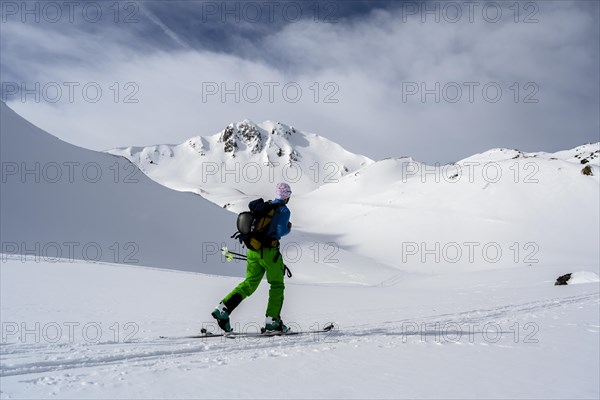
point(263, 333)
point(204, 334)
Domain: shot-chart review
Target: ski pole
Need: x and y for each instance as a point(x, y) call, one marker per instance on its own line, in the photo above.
point(232, 254)
point(225, 251)
point(238, 254)
point(231, 257)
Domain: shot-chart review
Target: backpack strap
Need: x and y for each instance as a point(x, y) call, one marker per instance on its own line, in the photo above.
point(287, 271)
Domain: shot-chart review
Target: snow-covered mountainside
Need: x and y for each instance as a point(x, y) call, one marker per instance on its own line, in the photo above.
point(499, 209)
point(62, 201)
point(246, 159)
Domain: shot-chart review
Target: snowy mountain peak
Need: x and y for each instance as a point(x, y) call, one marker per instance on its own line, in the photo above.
point(584, 154)
point(245, 135)
point(246, 157)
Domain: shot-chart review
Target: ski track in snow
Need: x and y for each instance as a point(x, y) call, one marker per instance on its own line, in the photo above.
point(210, 352)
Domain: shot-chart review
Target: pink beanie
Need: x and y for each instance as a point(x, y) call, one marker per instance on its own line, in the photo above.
point(283, 191)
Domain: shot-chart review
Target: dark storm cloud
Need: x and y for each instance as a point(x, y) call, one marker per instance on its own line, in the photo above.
point(374, 53)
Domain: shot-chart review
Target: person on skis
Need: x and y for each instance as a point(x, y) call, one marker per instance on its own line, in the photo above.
point(266, 260)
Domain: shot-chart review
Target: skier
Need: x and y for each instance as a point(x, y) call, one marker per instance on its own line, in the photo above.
point(268, 259)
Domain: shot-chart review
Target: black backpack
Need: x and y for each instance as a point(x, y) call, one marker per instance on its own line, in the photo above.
point(253, 226)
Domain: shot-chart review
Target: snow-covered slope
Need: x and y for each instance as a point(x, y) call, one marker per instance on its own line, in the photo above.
point(493, 334)
point(499, 209)
point(246, 159)
point(59, 200)
point(89, 205)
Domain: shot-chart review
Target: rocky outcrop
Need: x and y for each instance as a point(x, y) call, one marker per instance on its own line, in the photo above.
point(245, 133)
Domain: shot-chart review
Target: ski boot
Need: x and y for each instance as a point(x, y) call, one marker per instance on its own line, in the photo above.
point(224, 309)
point(274, 326)
point(221, 314)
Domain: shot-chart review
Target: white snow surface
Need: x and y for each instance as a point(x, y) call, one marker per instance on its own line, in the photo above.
point(506, 333)
point(580, 277)
point(440, 279)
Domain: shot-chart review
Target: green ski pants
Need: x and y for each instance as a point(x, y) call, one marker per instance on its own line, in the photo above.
point(271, 262)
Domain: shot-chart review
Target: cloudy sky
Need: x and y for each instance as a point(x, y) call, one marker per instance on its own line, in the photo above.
point(434, 80)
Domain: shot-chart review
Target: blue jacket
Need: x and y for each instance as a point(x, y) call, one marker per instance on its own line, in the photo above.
point(279, 226)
